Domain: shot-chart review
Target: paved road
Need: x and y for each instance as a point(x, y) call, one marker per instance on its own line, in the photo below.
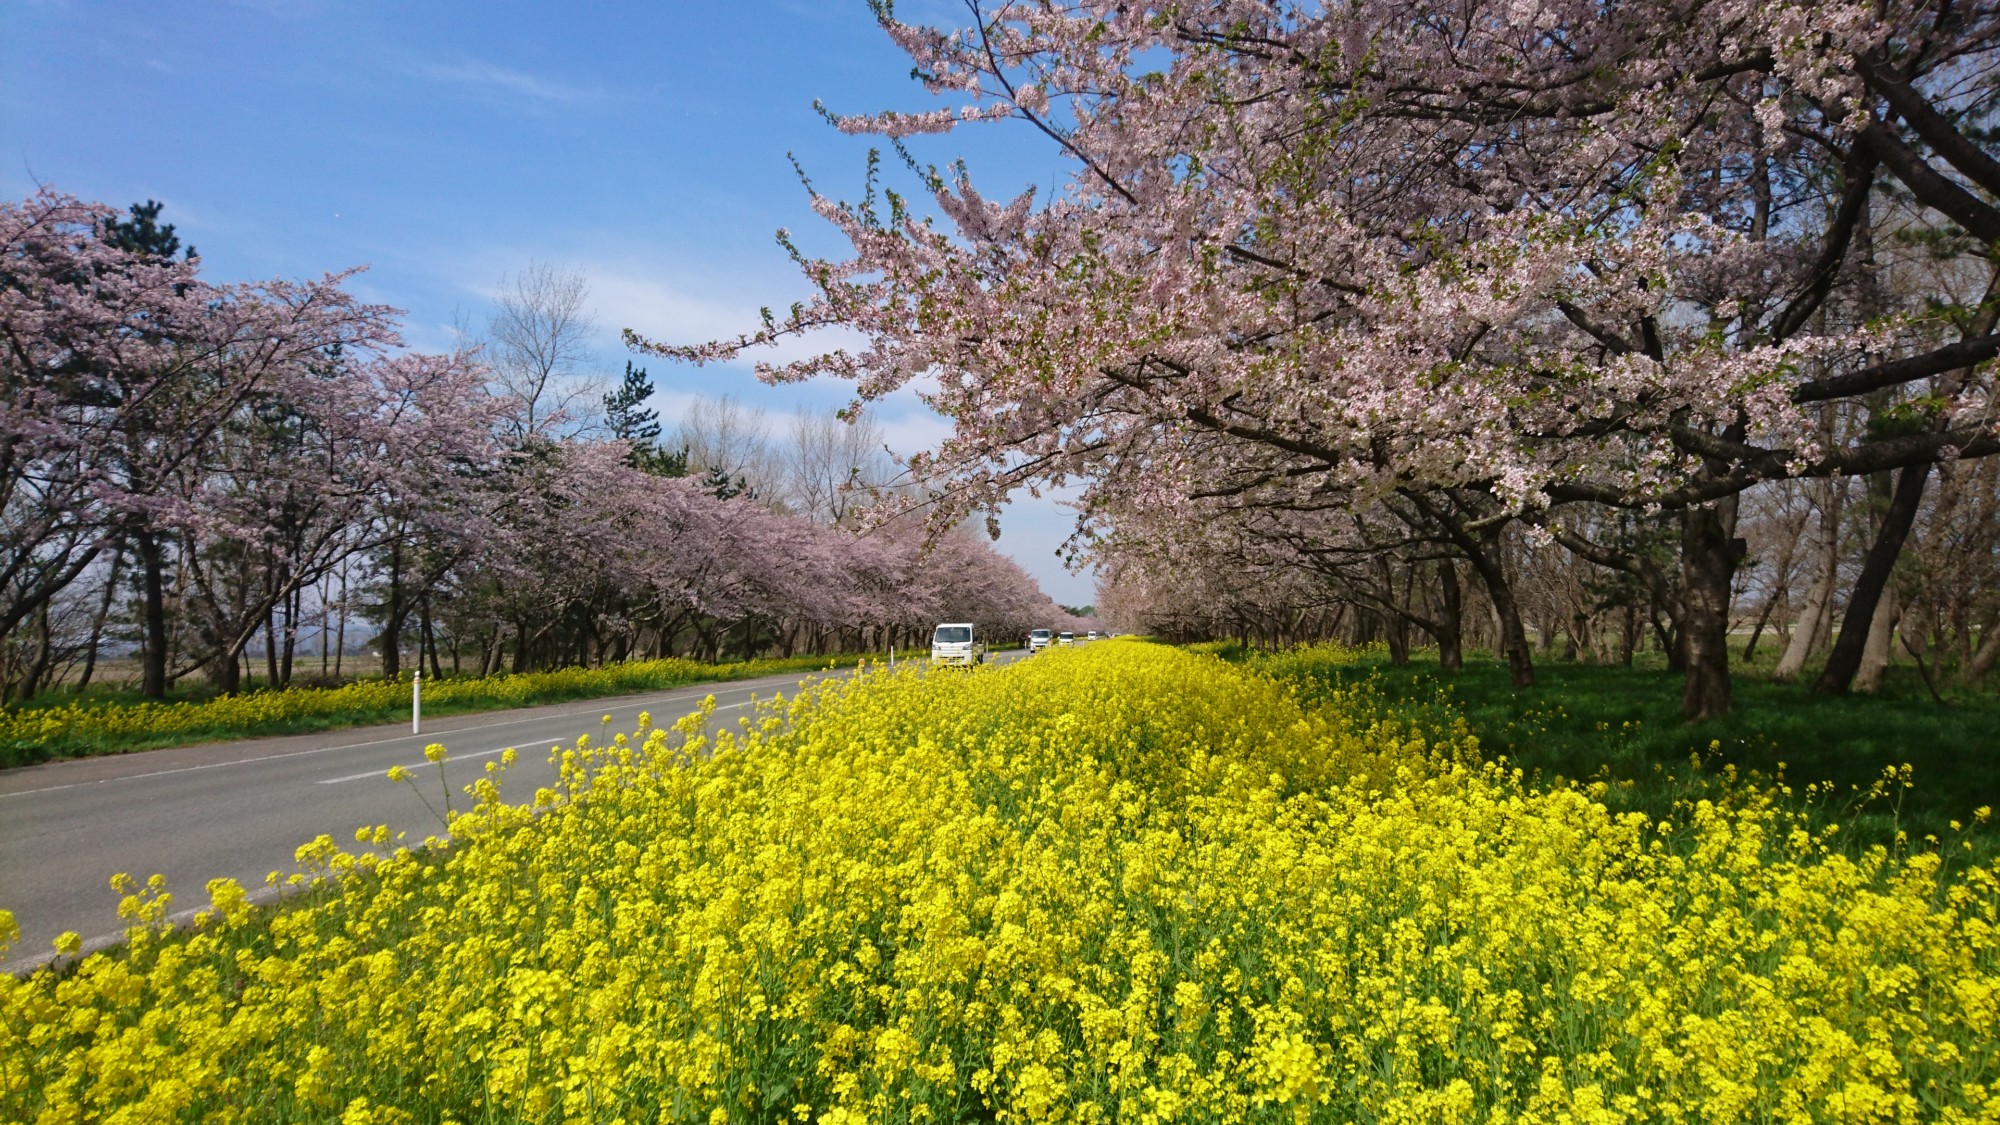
point(240, 809)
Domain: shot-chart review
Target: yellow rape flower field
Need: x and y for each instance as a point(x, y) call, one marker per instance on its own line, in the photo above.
point(1123, 883)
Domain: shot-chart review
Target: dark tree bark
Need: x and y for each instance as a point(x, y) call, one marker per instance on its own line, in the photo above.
point(294, 605)
point(1482, 550)
point(152, 614)
point(38, 666)
point(1710, 554)
point(271, 646)
point(1450, 631)
point(1845, 659)
point(1513, 636)
point(1397, 633)
point(429, 641)
point(227, 670)
point(393, 613)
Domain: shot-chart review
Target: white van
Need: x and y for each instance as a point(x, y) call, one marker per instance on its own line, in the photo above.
point(1039, 639)
point(957, 643)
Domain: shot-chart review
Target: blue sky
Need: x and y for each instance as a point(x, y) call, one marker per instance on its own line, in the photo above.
point(446, 145)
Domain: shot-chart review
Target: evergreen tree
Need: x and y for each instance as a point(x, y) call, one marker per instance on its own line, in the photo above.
point(722, 485)
point(631, 422)
point(143, 234)
point(625, 412)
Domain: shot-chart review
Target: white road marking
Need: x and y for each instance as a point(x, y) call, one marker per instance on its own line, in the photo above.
point(325, 750)
point(384, 772)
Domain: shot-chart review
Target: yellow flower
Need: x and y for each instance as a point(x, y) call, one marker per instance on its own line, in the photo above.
point(434, 752)
point(1133, 883)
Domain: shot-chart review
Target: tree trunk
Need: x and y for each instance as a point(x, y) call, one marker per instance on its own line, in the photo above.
point(1450, 619)
point(31, 683)
point(103, 613)
point(1880, 649)
point(227, 671)
point(340, 632)
point(1817, 615)
point(1763, 619)
point(393, 613)
point(271, 646)
point(430, 640)
point(1710, 554)
point(1845, 659)
point(325, 628)
point(1506, 612)
point(1985, 656)
point(152, 615)
point(293, 605)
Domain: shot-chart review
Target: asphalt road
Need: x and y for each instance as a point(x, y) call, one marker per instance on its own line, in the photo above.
point(241, 809)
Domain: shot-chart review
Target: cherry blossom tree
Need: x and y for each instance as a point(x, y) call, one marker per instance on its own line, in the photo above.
point(122, 368)
point(318, 471)
point(1497, 258)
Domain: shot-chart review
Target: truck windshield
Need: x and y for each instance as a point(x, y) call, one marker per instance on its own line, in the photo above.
point(952, 635)
point(1040, 634)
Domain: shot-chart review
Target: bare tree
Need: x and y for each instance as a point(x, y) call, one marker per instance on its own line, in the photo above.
point(731, 444)
point(539, 349)
point(832, 464)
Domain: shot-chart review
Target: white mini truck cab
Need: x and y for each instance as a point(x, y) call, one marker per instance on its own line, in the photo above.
point(1039, 639)
point(957, 643)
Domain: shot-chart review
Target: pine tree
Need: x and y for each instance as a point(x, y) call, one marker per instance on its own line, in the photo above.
point(143, 234)
point(631, 422)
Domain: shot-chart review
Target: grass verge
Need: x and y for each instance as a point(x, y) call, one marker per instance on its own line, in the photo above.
point(1875, 766)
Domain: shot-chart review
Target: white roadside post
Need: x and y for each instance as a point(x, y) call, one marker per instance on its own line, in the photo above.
point(417, 701)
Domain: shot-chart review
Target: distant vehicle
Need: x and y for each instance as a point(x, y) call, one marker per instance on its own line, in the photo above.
point(1065, 639)
point(1038, 640)
point(1091, 636)
point(957, 644)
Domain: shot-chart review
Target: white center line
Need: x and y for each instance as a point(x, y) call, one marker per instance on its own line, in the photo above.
point(384, 771)
point(351, 746)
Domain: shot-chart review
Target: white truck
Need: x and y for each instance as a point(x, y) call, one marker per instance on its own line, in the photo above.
point(1039, 639)
point(957, 644)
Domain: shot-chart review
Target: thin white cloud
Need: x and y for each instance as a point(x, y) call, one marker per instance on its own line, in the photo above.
point(482, 77)
point(670, 314)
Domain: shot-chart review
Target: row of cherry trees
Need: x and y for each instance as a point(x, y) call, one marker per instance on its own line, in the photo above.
point(188, 465)
point(1807, 542)
point(1393, 286)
